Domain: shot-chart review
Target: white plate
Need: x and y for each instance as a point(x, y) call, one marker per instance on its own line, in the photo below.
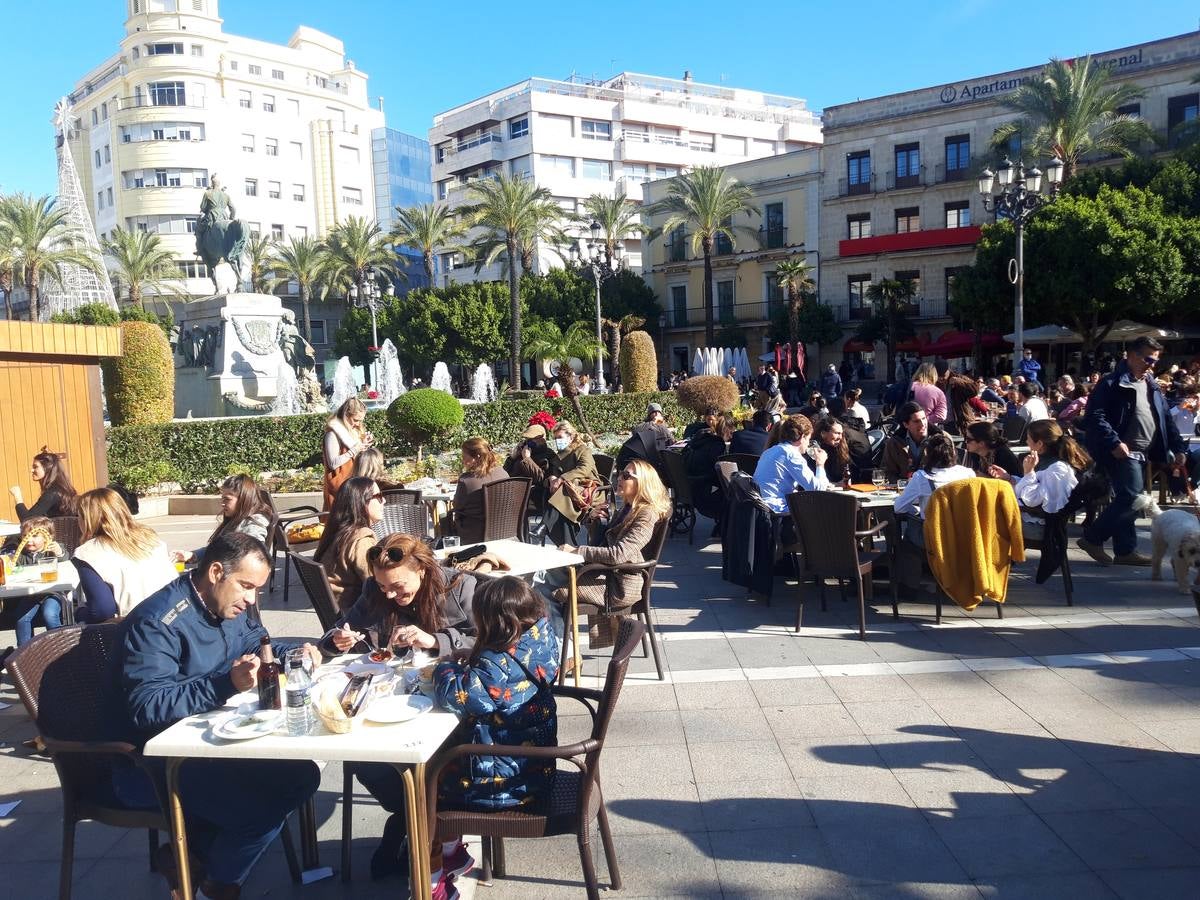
point(237, 701)
point(884, 495)
point(242, 727)
point(397, 708)
point(368, 668)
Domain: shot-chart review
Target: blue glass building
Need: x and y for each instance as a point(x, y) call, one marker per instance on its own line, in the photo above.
point(402, 178)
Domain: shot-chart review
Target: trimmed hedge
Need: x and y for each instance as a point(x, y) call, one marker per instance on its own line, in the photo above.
point(203, 450)
point(702, 391)
point(425, 416)
point(140, 383)
point(638, 362)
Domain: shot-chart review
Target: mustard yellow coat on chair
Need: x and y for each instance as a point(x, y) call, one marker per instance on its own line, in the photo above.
point(972, 537)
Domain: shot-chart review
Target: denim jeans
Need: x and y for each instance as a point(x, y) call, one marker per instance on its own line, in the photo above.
point(46, 609)
point(1117, 519)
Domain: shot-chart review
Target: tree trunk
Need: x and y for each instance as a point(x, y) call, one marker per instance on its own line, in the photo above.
point(891, 338)
point(793, 318)
point(514, 307)
point(709, 330)
point(427, 258)
point(614, 354)
point(570, 390)
point(31, 289)
point(135, 295)
point(304, 306)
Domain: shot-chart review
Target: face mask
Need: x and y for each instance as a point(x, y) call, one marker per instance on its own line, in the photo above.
point(562, 443)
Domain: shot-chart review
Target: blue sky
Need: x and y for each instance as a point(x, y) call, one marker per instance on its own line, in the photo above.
point(423, 59)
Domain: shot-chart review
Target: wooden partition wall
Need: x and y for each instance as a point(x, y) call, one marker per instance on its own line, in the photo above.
point(50, 396)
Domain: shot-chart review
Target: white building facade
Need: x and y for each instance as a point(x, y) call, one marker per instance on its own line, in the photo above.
point(286, 128)
point(580, 138)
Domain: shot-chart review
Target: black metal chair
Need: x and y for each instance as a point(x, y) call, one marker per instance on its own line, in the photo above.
point(604, 465)
point(277, 539)
point(505, 504)
point(831, 547)
point(746, 462)
point(1053, 547)
point(1013, 428)
point(683, 516)
point(403, 518)
point(316, 585)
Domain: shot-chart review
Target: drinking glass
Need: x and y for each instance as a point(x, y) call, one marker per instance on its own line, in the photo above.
point(901, 483)
point(49, 569)
point(877, 477)
point(451, 542)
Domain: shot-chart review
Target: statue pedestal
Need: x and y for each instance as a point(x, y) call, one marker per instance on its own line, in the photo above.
point(228, 346)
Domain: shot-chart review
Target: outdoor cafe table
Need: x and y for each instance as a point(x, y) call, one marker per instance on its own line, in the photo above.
point(28, 583)
point(407, 745)
point(9, 529)
point(434, 497)
point(526, 559)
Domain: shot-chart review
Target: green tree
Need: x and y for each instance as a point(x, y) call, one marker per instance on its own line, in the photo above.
point(562, 296)
point(617, 216)
point(981, 297)
point(508, 210)
point(143, 262)
point(552, 343)
point(426, 228)
point(302, 260)
point(1093, 262)
point(40, 244)
point(704, 200)
point(627, 294)
point(891, 302)
point(795, 279)
point(1070, 110)
point(260, 253)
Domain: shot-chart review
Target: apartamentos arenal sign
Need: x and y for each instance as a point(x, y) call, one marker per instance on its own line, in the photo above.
point(970, 91)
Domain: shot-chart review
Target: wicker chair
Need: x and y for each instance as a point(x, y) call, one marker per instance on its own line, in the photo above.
point(576, 798)
point(683, 516)
point(1013, 428)
point(67, 532)
point(316, 585)
point(827, 529)
point(403, 518)
point(402, 495)
point(277, 540)
point(505, 505)
point(69, 681)
point(746, 462)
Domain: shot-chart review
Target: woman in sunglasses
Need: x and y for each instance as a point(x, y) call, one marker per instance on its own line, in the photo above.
point(347, 538)
point(410, 600)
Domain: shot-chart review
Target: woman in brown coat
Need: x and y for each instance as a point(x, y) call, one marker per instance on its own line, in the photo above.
point(626, 540)
point(480, 467)
point(571, 468)
point(347, 538)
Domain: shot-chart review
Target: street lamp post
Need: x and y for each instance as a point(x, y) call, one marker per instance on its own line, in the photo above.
point(1016, 194)
point(369, 298)
point(596, 259)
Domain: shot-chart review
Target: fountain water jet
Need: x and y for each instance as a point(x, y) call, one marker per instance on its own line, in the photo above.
point(391, 384)
point(441, 379)
point(343, 384)
point(287, 392)
point(483, 384)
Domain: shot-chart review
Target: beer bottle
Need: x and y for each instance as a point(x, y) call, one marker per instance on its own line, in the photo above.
point(268, 677)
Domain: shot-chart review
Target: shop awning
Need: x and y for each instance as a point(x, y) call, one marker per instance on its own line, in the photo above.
point(954, 344)
point(854, 345)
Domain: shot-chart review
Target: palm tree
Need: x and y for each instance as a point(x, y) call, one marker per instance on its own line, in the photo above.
point(40, 244)
point(301, 260)
point(795, 278)
point(260, 249)
point(509, 210)
point(704, 200)
point(6, 258)
point(1071, 110)
point(425, 228)
point(352, 248)
point(143, 262)
point(617, 329)
point(890, 299)
point(552, 343)
point(617, 216)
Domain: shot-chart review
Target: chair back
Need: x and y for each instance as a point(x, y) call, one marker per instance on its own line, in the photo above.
point(402, 495)
point(677, 478)
point(825, 524)
point(653, 551)
point(67, 532)
point(1014, 429)
point(70, 682)
point(505, 504)
point(402, 518)
point(725, 470)
point(746, 462)
point(316, 585)
point(275, 536)
point(629, 636)
point(604, 465)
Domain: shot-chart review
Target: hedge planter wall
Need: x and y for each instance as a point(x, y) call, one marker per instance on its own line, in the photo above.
point(202, 451)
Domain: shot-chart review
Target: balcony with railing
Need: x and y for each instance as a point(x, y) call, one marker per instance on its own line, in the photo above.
point(159, 101)
point(942, 174)
point(750, 312)
point(894, 182)
point(846, 188)
point(920, 308)
point(676, 249)
point(924, 239)
point(772, 237)
point(472, 152)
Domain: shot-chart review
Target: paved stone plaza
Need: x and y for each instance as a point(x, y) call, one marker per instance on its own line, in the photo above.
point(1054, 753)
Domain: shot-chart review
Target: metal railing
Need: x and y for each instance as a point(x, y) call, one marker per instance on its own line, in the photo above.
point(745, 313)
point(861, 186)
point(920, 308)
point(772, 237)
point(896, 182)
point(488, 137)
point(960, 173)
point(147, 101)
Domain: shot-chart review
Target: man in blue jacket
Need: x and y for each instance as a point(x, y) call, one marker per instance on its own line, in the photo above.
point(186, 650)
point(1029, 367)
point(1126, 425)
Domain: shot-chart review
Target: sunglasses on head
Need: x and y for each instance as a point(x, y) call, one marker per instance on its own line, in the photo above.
point(394, 554)
point(625, 475)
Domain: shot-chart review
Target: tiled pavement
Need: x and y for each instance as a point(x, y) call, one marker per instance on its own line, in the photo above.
point(1054, 753)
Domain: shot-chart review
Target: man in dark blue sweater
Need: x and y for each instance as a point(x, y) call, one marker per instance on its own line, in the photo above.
point(186, 650)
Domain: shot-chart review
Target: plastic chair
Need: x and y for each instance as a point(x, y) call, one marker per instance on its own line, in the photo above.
point(576, 798)
point(505, 503)
point(403, 518)
point(683, 517)
point(69, 681)
point(829, 540)
point(598, 572)
point(316, 585)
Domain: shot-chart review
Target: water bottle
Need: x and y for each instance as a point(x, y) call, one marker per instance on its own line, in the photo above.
point(298, 694)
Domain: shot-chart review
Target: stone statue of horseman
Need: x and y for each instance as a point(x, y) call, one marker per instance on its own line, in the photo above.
point(220, 237)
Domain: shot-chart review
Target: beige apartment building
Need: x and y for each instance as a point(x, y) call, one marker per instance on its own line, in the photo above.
point(287, 128)
point(898, 184)
point(580, 137)
point(745, 289)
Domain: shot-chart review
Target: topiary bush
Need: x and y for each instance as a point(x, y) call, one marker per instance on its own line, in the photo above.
point(638, 363)
point(140, 384)
point(425, 416)
point(702, 391)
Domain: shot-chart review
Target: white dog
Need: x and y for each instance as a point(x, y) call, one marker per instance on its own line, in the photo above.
point(1174, 533)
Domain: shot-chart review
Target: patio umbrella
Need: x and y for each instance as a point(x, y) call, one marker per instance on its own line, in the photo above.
point(722, 365)
point(800, 361)
point(1046, 334)
point(698, 362)
point(1128, 330)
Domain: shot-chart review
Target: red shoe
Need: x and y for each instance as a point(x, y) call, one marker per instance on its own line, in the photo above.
point(458, 863)
point(445, 889)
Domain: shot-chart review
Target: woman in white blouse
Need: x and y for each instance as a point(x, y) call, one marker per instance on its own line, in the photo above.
point(1051, 468)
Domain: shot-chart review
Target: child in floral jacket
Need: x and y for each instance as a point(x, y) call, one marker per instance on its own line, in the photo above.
point(501, 692)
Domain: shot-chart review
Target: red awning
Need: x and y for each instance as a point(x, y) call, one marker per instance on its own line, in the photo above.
point(954, 344)
point(854, 345)
point(912, 345)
